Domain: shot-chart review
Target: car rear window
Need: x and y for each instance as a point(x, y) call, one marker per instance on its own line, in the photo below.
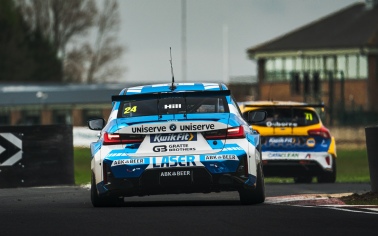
point(173, 105)
point(288, 117)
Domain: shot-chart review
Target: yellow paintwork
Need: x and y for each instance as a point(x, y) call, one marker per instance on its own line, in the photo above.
point(277, 131)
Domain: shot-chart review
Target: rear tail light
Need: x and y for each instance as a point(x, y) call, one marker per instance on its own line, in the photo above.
point(111, 139)
point(323, 132)
point(230, 133)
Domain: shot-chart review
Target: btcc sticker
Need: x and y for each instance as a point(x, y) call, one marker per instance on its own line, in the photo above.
point(174, 137)
point(221, 157)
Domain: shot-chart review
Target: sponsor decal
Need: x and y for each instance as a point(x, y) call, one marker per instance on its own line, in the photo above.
point(324, 143)
point(172, 127)
point(199, 127)
point(232, 149)
point(148, 129)
point(128, 161)
point(175, 173)
point(180, 148)
point(160, 148)
point(174, 161)
point(175, 137)
point(119, 154)
point(173, 148)
point(281, 124)
point(221, 157)
point(284, 155)
point(310, 142)
point(281, 140)
point(308, 156)
point(172, 106)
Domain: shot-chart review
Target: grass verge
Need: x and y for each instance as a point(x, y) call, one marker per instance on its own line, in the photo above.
point(82, 165)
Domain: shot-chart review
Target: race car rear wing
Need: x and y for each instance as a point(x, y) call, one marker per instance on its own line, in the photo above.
point(183, 94)
point(321, 105)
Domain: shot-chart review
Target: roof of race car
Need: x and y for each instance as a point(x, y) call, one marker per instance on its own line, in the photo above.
point(179, 87)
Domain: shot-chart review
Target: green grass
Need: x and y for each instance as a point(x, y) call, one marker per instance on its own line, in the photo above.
point(352, 167)
point(82, 160)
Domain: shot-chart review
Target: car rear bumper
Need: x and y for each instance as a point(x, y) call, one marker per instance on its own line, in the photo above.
point(176, 180)
point(292, 168)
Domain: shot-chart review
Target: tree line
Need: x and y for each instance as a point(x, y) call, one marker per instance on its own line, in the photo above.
point(69, 41)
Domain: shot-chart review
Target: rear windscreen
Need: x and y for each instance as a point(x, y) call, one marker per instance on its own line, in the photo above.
point(173, 105)
point(288, 117)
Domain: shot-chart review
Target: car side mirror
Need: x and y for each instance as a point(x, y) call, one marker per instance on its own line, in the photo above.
point(256, 116)
point(96, 124)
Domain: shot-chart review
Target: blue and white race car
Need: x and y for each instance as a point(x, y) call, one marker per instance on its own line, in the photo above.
point(176, 138)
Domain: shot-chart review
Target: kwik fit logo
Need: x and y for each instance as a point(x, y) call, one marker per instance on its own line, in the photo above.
point(176, 137)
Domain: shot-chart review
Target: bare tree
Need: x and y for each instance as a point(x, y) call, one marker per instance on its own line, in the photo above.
point(66, 22)
point(105, 49)
point(59, 20)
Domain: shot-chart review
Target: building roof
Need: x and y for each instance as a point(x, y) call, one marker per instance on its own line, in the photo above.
point(34, 94)
point(355, 26)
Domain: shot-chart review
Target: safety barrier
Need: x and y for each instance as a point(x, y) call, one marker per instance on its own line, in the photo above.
point(371, 134)
point(36, 156)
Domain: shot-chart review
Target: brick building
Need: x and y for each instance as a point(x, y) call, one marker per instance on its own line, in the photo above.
point(332, 60)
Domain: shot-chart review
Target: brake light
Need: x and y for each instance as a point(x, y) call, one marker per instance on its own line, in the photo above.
point(236, 132)
point(323, 132)
point(112, 139)
point(230, 133)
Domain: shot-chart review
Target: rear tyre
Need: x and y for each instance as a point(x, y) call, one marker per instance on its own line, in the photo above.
point(327, 176)
point(102, 201)
point(303, 179)
point(257, 195)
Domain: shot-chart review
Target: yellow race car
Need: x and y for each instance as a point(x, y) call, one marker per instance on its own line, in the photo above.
point(295, 143)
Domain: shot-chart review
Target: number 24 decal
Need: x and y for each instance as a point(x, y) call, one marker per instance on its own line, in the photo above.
point(130, 109)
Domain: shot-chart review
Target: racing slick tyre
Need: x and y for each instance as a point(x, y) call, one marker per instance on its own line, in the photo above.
point(303, 179)
point(327, 176)
point(257, 195)
point(102, 201)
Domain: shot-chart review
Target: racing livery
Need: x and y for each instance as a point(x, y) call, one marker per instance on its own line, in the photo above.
point(294, 141)
point(176, 138)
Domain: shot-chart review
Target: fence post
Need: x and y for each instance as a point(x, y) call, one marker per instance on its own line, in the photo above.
point(371, 134)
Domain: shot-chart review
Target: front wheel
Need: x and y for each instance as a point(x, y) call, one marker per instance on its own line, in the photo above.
point(257, 195)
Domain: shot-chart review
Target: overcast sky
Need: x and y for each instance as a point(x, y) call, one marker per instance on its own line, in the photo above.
point(150, 27)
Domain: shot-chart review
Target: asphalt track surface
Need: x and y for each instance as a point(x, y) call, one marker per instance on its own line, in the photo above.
point(66, 210)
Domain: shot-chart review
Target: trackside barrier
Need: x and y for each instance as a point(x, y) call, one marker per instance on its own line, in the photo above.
point(371, 134)
point(36, 156)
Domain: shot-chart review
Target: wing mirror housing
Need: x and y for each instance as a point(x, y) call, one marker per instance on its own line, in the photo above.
point(256, 116)
point(96, 124)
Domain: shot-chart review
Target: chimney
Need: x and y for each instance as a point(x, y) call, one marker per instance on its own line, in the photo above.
point(371, 4)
